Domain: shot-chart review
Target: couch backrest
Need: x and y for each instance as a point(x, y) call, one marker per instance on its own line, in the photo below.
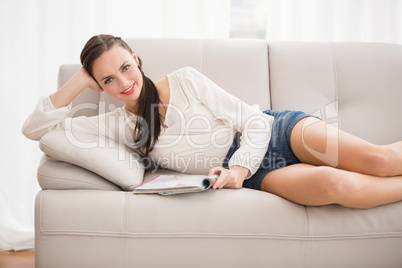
point(239, 66)
point(357, 86)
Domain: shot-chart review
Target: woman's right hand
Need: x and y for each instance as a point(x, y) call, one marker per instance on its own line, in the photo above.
point(77, 83)
point(88, 81)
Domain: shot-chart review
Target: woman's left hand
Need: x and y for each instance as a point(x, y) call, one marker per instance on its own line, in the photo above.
point(229, 178)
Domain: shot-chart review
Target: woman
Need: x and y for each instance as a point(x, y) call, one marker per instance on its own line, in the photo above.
point(184, 115)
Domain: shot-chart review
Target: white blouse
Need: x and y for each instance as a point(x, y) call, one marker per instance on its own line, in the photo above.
point(201, 121)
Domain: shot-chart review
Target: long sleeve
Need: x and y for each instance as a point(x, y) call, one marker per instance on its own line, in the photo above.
point(47, 118)
point(254, 125)
point(44, 118)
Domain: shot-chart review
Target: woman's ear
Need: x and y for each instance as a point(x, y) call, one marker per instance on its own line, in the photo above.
point(136, 58)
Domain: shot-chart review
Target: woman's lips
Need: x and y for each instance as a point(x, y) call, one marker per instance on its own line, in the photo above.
point(129, 90)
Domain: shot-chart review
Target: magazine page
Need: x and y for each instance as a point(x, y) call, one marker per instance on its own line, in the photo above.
point(177, 183)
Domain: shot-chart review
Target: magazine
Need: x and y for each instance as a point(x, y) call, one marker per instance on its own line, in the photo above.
point(176, 184)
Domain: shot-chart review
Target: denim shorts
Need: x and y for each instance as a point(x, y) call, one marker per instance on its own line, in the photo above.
point(279, 153)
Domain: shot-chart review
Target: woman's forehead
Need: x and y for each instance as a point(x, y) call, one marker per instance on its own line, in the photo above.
point(111, 60)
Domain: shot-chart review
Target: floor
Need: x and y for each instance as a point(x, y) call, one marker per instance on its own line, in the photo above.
point(19, 259)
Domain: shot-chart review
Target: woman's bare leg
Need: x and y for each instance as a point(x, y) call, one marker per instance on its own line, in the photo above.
point(314, 142)
point(314, 186)
point(337, 168)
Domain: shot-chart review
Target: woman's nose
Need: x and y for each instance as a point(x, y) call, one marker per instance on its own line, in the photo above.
point(123, 82)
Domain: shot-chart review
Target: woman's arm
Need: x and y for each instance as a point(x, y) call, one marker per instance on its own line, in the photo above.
point(254, 125)
point(50, 112)
point(78, 82)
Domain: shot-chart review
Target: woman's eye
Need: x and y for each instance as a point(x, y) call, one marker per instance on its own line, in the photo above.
point(107, 81)
point(125, 68)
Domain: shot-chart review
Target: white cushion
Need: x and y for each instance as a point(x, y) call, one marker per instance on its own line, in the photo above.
point(114, 162)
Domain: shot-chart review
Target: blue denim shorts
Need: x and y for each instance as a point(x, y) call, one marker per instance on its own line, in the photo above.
point(279, 153)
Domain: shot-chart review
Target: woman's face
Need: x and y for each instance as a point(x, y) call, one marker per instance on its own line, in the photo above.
point(116, 71)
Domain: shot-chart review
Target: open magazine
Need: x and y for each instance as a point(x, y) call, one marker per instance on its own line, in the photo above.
point(176, 184)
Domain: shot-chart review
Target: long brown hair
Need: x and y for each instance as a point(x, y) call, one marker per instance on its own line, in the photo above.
point(145, 138)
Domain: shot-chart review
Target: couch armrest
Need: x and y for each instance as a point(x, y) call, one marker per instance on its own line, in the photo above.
point(54, 174)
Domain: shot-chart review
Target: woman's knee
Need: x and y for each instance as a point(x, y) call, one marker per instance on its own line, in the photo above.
point(379, 161)
point(338, 185)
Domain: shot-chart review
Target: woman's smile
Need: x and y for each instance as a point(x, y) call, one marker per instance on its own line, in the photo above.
point(129, 90)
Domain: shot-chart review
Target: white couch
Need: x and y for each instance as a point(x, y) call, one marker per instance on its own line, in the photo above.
point(83, 220)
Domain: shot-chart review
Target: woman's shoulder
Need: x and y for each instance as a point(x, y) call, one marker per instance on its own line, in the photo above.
point(186, 71)
point(187, 76)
